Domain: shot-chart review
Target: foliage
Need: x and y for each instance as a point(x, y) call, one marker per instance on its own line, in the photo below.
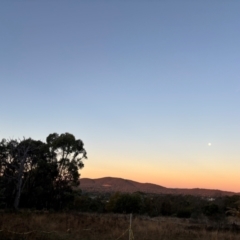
point(40, 175)
point(211, 209)
point(86, 203)
point(184, 213)
point(124, 203)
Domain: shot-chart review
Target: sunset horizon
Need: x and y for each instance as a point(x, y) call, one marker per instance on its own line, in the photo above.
point(173, 186)
point(151, 88)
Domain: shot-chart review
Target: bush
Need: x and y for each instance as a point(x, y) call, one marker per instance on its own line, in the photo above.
point(124, 203)
point(184, 213)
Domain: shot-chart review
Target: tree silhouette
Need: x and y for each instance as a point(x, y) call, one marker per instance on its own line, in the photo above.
point(40, 172)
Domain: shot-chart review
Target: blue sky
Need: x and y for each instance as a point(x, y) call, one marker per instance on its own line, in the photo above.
point(146, 85)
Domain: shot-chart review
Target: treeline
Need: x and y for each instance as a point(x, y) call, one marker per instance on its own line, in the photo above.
point(182, 206)
point(36, 174)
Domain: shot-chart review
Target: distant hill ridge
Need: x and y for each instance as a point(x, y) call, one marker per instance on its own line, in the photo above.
point(112, 184)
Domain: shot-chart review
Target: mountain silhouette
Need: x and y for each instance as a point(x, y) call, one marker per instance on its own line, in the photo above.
point(112, 184)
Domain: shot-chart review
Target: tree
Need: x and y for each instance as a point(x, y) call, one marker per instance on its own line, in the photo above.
point(124, 203)
point(47, 169)
point(14, 161)
point(67, 153)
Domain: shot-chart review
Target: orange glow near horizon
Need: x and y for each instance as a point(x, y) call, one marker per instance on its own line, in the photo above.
point(203, 169)
point(167, 176)
point(173, 183)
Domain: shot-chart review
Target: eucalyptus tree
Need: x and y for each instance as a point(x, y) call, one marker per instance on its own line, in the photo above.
point(15, 161)
point(67, 154)
point(44, 173)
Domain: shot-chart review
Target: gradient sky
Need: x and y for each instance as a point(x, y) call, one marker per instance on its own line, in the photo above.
point(147, 85)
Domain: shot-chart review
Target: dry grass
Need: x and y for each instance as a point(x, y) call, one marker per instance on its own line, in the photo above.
point(76, 226)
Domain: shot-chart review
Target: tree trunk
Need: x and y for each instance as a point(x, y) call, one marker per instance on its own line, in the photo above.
point(19, 184)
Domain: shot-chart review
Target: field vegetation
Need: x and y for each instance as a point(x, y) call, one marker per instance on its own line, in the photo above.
point(43, 225)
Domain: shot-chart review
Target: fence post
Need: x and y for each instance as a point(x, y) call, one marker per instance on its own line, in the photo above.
point(130, 227)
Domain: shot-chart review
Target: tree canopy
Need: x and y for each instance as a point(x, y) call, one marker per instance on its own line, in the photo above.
point(40, 174)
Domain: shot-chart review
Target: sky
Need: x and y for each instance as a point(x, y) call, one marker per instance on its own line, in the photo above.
point(152, 88)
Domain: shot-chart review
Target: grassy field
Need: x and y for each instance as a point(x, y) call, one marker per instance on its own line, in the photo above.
point(76, 226)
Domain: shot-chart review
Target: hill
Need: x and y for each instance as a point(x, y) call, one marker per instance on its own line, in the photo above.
point(111, 184)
